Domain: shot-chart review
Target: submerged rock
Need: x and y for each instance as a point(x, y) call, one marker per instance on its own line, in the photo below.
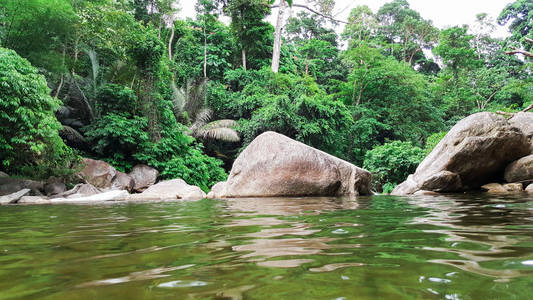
point(98, 173)
point(520, 170)
point(274, 165)
point(170, 190)
point(14, 197)
point(144, 176)
point(474, 152)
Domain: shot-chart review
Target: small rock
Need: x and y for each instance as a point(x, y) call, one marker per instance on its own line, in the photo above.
point(529, 188)
point(34, 200)
point(144, 177)
point(494, 188)
point(513, 187)
point(2, 174)
point(54, 188)
point(13, 198)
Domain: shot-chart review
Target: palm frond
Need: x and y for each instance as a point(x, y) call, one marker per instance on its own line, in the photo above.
point(218, 130)
point(219, 133)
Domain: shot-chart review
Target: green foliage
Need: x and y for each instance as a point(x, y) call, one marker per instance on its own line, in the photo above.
point(114, 97)
point(179, 156)
point(28, 127)
point(433, 140)
point(392, 162)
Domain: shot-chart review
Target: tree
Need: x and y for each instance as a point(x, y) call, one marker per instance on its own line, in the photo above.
point(404, 31)
point(249, 28)
point(362, 25)
point(520, 14)
point(28, 128)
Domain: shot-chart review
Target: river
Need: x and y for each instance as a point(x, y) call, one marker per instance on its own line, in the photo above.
point(470, 246)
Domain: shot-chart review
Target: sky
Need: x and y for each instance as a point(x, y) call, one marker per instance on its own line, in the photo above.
point(443, 13)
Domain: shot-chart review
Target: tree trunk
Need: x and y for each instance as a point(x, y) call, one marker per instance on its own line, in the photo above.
point(170, 42)
point(205, 52)
point(276, 51)
point(243, 53)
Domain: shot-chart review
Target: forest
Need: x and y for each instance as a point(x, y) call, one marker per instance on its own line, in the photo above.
point(128, 82)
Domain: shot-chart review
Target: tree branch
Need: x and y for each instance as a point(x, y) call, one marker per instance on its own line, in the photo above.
point(313, 11)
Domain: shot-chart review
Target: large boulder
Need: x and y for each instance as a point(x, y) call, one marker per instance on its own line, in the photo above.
point(474, 152)
point(170, 190)
point(274, 165)
point(144, 176)
point(98, 173)
point(123, 181)
point(520, 170)
point(10, 185)
point(524, 121)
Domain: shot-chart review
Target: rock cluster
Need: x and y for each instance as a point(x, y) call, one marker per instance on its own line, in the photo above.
point(480, 149)
point(102, 182)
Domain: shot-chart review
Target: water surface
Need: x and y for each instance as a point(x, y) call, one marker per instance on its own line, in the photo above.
point(382, 247)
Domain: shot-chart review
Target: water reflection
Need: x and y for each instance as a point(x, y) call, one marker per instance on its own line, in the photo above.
point(290, 240)
point(486, 234)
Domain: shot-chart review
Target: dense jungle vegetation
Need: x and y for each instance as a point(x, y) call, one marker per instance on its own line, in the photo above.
point(128, 82)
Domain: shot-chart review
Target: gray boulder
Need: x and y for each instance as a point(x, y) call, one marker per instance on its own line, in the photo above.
point(274, 165)
point(529, 188)
point(14, 197)
point(2, 174)
point(79, 190)
point(10, 185)
point(144, 176)
point(123, 181)
point(97, 172)
point(170, 190)
point(474, 152)
point(54, 188)
point(524, 121)
point(520, 170)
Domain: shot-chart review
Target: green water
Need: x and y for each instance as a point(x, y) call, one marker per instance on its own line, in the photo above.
point(465, 247)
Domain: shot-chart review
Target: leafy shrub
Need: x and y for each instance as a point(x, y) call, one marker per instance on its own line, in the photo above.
point(29, 140)
point(433, 140)
point(391, 163)
point(179, 156)
point(116, 98)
